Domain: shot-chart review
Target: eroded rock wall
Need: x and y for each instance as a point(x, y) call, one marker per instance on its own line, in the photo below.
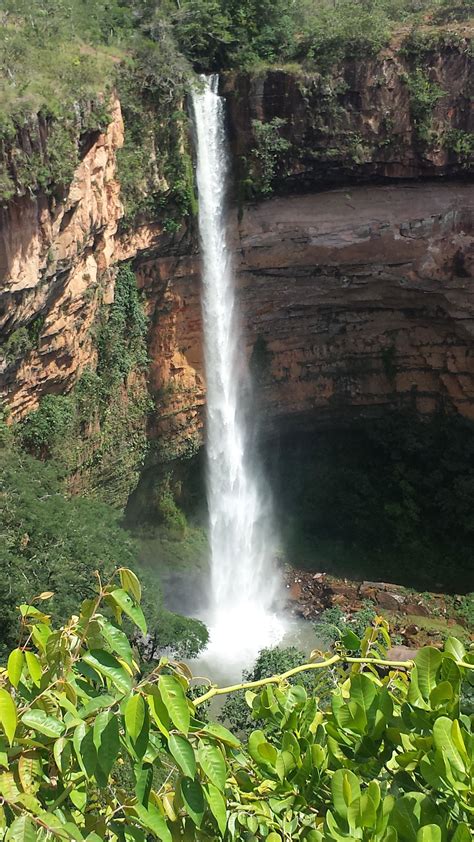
point(353, 298)
point(368, 120)
point(55, 258)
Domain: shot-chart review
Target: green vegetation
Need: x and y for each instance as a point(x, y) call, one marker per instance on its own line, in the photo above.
point(390, 498)
point(275, 661)
point(50, 542)
point(81, 51)
point(424, 95)
point(93, 749)
point(97, 433)
point(268, 152)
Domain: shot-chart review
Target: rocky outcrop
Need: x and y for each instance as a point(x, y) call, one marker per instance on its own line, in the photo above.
point(54, 262)
point(398, 115)
point(354, 299)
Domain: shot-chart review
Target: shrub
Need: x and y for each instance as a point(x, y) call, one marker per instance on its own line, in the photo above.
point(389, 760)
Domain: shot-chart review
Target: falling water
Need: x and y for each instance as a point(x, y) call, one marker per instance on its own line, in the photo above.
point(244, 579)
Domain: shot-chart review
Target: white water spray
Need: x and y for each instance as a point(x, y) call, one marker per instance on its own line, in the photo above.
point(244, 579)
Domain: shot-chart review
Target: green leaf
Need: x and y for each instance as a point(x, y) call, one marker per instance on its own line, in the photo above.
point(143, 782)
point(193, 799)
point(443, 692)
point(222, 734)
point(40, 721)
point(128, 606)
point(455, 648)
point(34, 667)
point(106, 739)
point(428, 661)
point(444, 731)
point(363, 691)
point(285, 763)
point(213, 764)
point(130, 583)
point(175, 702)
point(108, 666)
point(462, 834)
point(152, 819)
point(135, 716)
point(22, 829)
point(86, 752)
point(117, 640)
point(429, 833)
point(345, 790)
point(8, 715)
point(16, 659)
point(183, 753)
point(217, 806)
point(350, 640)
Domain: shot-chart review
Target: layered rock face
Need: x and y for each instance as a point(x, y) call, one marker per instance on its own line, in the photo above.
point(361, 298)
point(55, 258)
point(394, 116)
point(353, 298)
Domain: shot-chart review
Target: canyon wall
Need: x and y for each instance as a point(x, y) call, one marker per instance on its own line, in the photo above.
point(355, 283)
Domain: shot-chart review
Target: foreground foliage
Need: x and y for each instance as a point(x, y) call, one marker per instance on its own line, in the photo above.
point(391, 758)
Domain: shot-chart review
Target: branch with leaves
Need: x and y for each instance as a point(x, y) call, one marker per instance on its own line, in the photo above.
point(91, 748)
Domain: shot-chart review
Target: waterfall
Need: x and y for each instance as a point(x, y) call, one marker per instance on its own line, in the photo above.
point(244, 578)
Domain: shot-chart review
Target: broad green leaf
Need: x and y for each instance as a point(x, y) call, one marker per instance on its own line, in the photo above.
point(410, 812)
point(16, 659)
point(175, 702)
point(29, 771)
point(442, 693)
point(284, 764)
point(105, 700)
point(350, 640)
point(345, 789)
point(428, 661)
point(86, 752)
point(267, 752)
point(159, 713)
point(152, 819)
point(130, 583)
point(217, 806)
point(106, 739)
point(462, 834)
point(117, 640)
point(363, 691)
point(455, 648)
point(135, 716)
point(108, 666)
point(34, 667)
point(213, 764)
point(275, 837)
point(429, 833)
point(129, 607)
point(22, 829)
point(40, 721)
point(183, 753)
point(444, 742)
point(222, 734)
point(8, 714)
point(143, 781)
point(193, 799)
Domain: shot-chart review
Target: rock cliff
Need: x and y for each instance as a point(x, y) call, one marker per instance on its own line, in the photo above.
point(356, 285)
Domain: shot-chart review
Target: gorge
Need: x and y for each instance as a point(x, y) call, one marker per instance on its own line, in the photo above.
point(236, 421)
point(350, 232)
